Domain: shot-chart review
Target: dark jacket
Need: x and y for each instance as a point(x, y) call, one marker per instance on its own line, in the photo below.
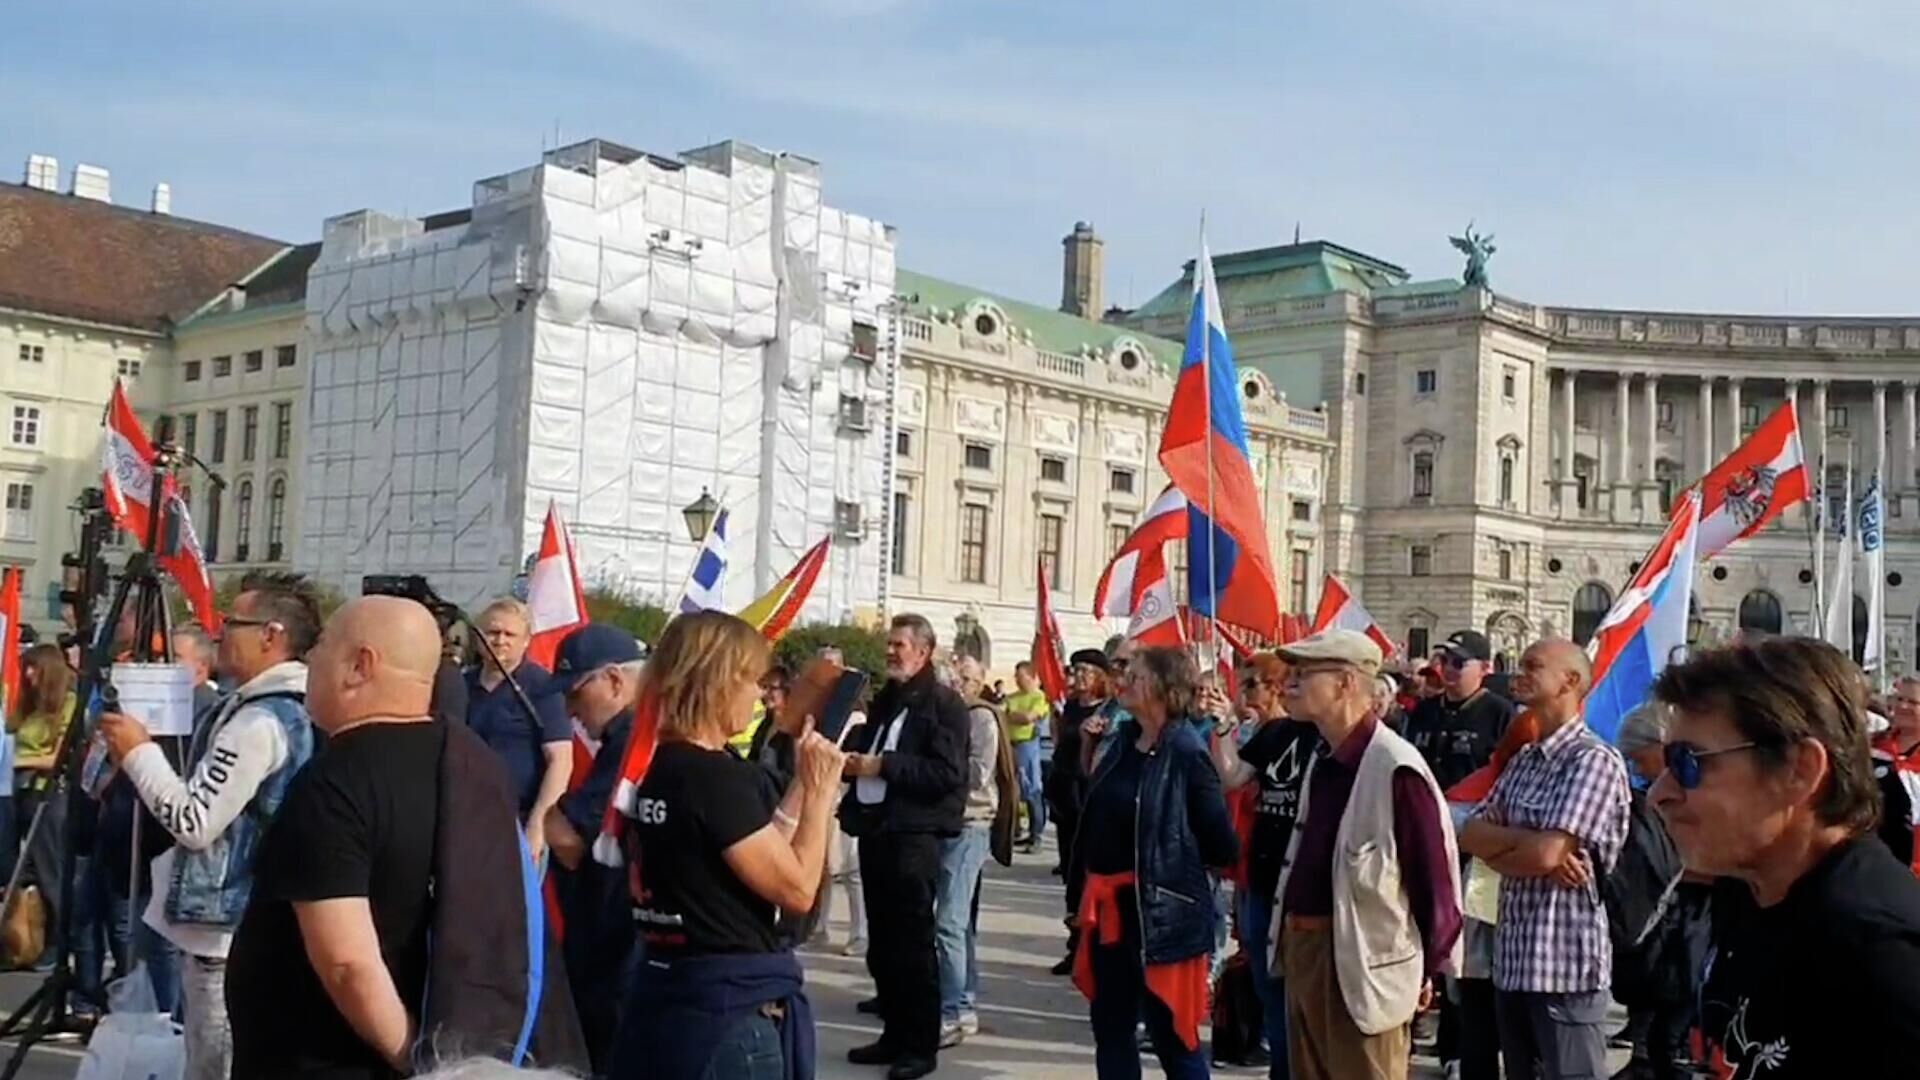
point(1183, 829)
point(677, 1011)
point(495, 986)
point(926, 771)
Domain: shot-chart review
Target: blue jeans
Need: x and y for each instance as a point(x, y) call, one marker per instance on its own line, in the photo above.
point(160, 955)
point(1121, 1002)
point(750, 1050)
point(961, 858)
point(89, 958)
point(1026, 759)
point(1256, 917)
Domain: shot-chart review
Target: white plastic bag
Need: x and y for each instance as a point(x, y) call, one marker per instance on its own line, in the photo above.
point(135, 1040)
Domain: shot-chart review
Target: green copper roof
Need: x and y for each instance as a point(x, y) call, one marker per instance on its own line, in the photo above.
point(1290, 272)
point(1054, 331)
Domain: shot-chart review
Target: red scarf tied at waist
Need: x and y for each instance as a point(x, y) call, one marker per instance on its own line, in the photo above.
point(1181, 985)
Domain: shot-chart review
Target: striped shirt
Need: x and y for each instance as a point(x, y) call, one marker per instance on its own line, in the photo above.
point(1552, 939)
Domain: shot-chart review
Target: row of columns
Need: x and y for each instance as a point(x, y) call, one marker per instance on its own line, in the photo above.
point(1894, 457)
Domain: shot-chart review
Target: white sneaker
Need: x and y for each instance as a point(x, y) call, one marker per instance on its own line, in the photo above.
point(855, 947)
point(1453, 1070)
point(970, 1024)
point(951, 1034)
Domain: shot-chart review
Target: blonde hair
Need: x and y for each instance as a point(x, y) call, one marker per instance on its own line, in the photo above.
point(510, 606)
point(700, 659)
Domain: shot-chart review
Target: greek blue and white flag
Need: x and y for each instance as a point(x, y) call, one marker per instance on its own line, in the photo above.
point(1873, 511)
point(709, 577)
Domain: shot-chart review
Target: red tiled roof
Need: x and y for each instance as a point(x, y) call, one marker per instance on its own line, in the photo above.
point(62, 255)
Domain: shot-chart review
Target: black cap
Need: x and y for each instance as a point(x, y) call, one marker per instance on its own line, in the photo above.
point(1091, 657)
point(1469, 645)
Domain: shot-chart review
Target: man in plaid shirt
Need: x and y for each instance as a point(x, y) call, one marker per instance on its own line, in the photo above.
point(1553, 826)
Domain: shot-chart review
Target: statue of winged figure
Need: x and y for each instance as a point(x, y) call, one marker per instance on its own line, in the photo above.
point(1478, 249)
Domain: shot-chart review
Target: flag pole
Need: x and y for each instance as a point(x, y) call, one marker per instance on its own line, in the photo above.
point(1816, 537)
point(1206, 382)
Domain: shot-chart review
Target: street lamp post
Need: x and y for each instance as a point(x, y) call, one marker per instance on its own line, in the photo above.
point(699, 515)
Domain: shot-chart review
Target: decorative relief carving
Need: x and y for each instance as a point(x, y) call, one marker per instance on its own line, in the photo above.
point(1124, 445)
point(977, 416)
point(1303, 477)
point(1054, 432)
point(912, 404)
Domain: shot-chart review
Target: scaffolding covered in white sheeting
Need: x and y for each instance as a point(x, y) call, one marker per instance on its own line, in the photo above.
point(612, 331)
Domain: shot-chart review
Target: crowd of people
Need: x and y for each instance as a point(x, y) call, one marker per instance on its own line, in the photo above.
point(333, 877)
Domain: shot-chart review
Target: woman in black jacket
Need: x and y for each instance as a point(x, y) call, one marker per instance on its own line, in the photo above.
point(1155, 822)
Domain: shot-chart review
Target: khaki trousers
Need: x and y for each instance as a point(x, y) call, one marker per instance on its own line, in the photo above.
point(1323, 1043)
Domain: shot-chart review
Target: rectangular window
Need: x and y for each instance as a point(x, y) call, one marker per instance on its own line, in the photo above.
point(853, 412)
point(1426, 381)
point(1117, 534)
point(1423, 474)
point(1053, 532)
point(249, 431)
point(26, 425)
point(128, 367)
point(1506, 564)
point(1420, 560)
point(1506, 480)
point(190, 371)
point(1120, 481)
point(1509, 384)
point(1417, 641)
point(222, 366)
point(1666, 415)
point(1749, 416)
point(219, 452)
point(973, 543)
point(901, 503)
point(903, 444)
point(283, 355)
point(1837, 417)
point(1053, 470)
point(1302, 510)
point(190, 433)
point(1360, 384)
point(19, 524)
point(979, 457)
point(866, 341)
point(1582, 481)
point(255, 360)
point(282, 428)
point(33, 354)
point(1297, 584)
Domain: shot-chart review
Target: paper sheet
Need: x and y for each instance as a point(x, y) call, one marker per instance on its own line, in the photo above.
point(158, 695)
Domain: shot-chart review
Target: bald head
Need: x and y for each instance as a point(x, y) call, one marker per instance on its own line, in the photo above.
point(1554, 677)
point(376, 659)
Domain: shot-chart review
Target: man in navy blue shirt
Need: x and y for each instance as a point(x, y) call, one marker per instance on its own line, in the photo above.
point(538, 749)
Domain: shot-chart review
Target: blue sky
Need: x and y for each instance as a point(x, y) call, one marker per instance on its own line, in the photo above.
point(1738, 155)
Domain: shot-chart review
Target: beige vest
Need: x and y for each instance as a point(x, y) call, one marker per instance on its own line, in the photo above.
point(1378, 958)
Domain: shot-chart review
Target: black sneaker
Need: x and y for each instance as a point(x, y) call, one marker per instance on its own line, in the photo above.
point(874, 1053)
point(869, 1006)
point(911, 1067)
point(1064, 967)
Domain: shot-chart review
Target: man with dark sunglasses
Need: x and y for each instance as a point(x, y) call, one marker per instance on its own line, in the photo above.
point(1816, 927)
point(1552, 828)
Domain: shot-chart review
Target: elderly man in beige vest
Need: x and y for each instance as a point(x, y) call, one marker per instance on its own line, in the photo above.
point(1367, 909)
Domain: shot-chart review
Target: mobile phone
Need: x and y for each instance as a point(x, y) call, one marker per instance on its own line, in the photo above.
point(831, 722)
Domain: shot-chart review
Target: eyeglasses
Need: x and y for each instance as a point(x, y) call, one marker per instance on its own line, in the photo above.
point(1683, 761)
point(244, 620)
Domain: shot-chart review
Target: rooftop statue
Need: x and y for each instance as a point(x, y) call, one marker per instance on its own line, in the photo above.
point(1478, 249)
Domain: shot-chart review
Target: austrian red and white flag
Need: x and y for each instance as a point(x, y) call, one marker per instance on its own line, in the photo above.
point(555, 597)
point(1049, 653)
point(1756, 483)
point(1341, 610)
point(126, 467)
point(1156, 619)
point(1138, 566)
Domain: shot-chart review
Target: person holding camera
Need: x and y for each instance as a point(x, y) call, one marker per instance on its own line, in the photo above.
point(239, 767)
point(718, 849)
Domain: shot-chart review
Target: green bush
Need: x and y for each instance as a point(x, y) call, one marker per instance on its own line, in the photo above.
point(643, 620)
point(864, 649)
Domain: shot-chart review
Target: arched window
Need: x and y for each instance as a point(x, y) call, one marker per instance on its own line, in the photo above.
point(1859, 629)
point(276, 519)
point(1590, 605)
point(1760, 612)
point(243, 528)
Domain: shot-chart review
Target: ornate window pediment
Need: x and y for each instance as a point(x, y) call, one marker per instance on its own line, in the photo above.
point(1425, 437)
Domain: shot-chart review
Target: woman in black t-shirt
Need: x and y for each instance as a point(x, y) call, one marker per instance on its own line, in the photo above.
point(715, 849)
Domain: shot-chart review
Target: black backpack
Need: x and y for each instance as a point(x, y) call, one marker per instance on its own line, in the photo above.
point(1238, 1019)
point(1641, 884)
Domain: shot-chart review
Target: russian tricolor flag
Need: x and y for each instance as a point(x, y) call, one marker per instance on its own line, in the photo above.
point(1647, 627)
point(1204, 451)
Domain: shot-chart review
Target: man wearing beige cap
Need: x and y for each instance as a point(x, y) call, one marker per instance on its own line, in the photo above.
point(1368, 903)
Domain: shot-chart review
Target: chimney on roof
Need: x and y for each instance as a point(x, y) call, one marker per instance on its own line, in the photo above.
point(162, 198)
point(91, 182)
point(1085, 266)
point(43, 172)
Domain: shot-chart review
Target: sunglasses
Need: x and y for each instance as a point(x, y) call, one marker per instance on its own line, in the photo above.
point(1684, 761)
point(1455, 661)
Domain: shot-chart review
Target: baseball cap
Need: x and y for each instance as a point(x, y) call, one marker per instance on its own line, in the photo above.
point(589, 649)
point(1469, 645)
point(1346, 646)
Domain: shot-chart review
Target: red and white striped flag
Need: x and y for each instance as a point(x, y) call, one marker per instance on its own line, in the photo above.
point(126, 466)
point(1339, 608)
point(555, 597)
point(1049, 653)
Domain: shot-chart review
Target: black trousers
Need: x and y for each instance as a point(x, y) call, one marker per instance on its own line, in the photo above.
point(1469, 1032)
point(1066, 805)
point(898, 875)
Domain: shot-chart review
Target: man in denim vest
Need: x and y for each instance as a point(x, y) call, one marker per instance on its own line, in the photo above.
point(243, 755)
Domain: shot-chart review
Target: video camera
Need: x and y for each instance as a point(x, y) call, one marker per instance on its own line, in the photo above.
point(416, 588)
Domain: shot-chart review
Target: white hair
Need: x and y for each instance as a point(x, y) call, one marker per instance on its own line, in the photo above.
point(485, 1068)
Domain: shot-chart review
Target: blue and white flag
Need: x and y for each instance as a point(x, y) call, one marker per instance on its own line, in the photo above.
point(1647, 627)
point(708, 580)
point(1873, 550)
